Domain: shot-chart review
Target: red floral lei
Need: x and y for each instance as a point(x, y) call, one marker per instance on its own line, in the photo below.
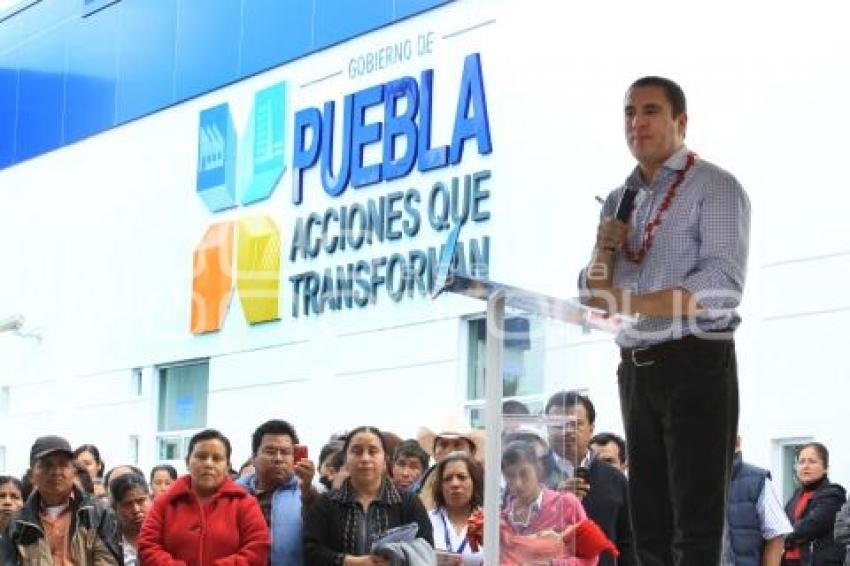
point(652, 226)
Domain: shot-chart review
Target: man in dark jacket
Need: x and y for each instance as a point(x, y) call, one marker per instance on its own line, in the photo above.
point(59, 524)
point(572, 465)
point(611, 448)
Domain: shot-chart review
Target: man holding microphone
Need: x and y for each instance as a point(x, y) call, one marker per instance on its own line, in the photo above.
point(671, 251)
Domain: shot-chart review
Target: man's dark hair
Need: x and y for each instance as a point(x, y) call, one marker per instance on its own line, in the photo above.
point(92, 449)
point(605, 437)
point(274, 426)
point(514, 407)
point(26, 483)
point(246, 464)
point(167, 468)
point(208, 434)
point(571, 399)
point(411, 449)
point(674, 93)
point(529, 438)
point(337, 461)
point(122, 484)
point(14, 481)
point(133, 470)
point(517, 452)
point(329, 449)
point(819, 448)
point(84, 477)
point(475, 471)
point(391, 442)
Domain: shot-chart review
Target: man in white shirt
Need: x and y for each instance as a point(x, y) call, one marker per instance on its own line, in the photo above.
point(756, 523)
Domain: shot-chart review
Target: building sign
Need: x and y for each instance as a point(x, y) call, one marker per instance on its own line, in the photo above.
point(403, 135)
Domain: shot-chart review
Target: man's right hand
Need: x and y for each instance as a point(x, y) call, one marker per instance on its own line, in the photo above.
point(611, 234)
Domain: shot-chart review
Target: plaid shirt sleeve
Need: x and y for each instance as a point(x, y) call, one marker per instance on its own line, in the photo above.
point(717, 280)
point(774, 522)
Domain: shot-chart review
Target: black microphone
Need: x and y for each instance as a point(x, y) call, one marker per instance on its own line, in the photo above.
point(624, 209)
point(627, 203)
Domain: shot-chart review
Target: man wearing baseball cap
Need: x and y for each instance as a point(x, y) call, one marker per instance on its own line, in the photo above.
point(59, 524)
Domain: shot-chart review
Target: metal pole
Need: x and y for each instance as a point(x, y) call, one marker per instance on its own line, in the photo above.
point(493, 424)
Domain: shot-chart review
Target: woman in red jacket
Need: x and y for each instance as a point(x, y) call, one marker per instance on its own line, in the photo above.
point(205, 519)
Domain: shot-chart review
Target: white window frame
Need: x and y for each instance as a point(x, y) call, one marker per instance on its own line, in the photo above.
point(136, 382)
point(181, 436)
point(472, 405)
point(5, 395)
point(779, 446)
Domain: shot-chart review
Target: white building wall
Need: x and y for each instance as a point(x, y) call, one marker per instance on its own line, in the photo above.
point(96, 238)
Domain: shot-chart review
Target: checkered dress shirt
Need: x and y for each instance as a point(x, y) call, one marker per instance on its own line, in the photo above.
point(701, 245)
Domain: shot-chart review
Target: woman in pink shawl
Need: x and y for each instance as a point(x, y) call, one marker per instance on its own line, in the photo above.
point(536, 521)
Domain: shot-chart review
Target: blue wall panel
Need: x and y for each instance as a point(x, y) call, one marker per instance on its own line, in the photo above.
point(45, 15)
point(90, 78)
point(82, 74)
point(8, 107)
point(338, 20)
point(207, 45)
point(274, 31)
point(147, 32)
point(10, 34)
point(405, 8)
point(41, 92)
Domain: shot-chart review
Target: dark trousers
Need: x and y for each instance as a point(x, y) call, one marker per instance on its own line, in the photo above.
point(680, 413)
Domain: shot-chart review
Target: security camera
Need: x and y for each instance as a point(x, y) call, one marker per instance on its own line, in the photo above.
point(13, 323)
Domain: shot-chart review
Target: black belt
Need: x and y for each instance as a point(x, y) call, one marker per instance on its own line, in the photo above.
point(640, 357)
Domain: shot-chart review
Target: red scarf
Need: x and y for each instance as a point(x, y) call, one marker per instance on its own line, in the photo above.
point(794, 552)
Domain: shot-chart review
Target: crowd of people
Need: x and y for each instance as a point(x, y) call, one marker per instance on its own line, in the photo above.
point(372, 498)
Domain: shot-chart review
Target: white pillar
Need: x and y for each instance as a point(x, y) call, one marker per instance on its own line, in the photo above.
point(493, 424)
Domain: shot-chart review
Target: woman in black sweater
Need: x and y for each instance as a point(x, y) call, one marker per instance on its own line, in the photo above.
point(339, 527)
point(812, 511)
